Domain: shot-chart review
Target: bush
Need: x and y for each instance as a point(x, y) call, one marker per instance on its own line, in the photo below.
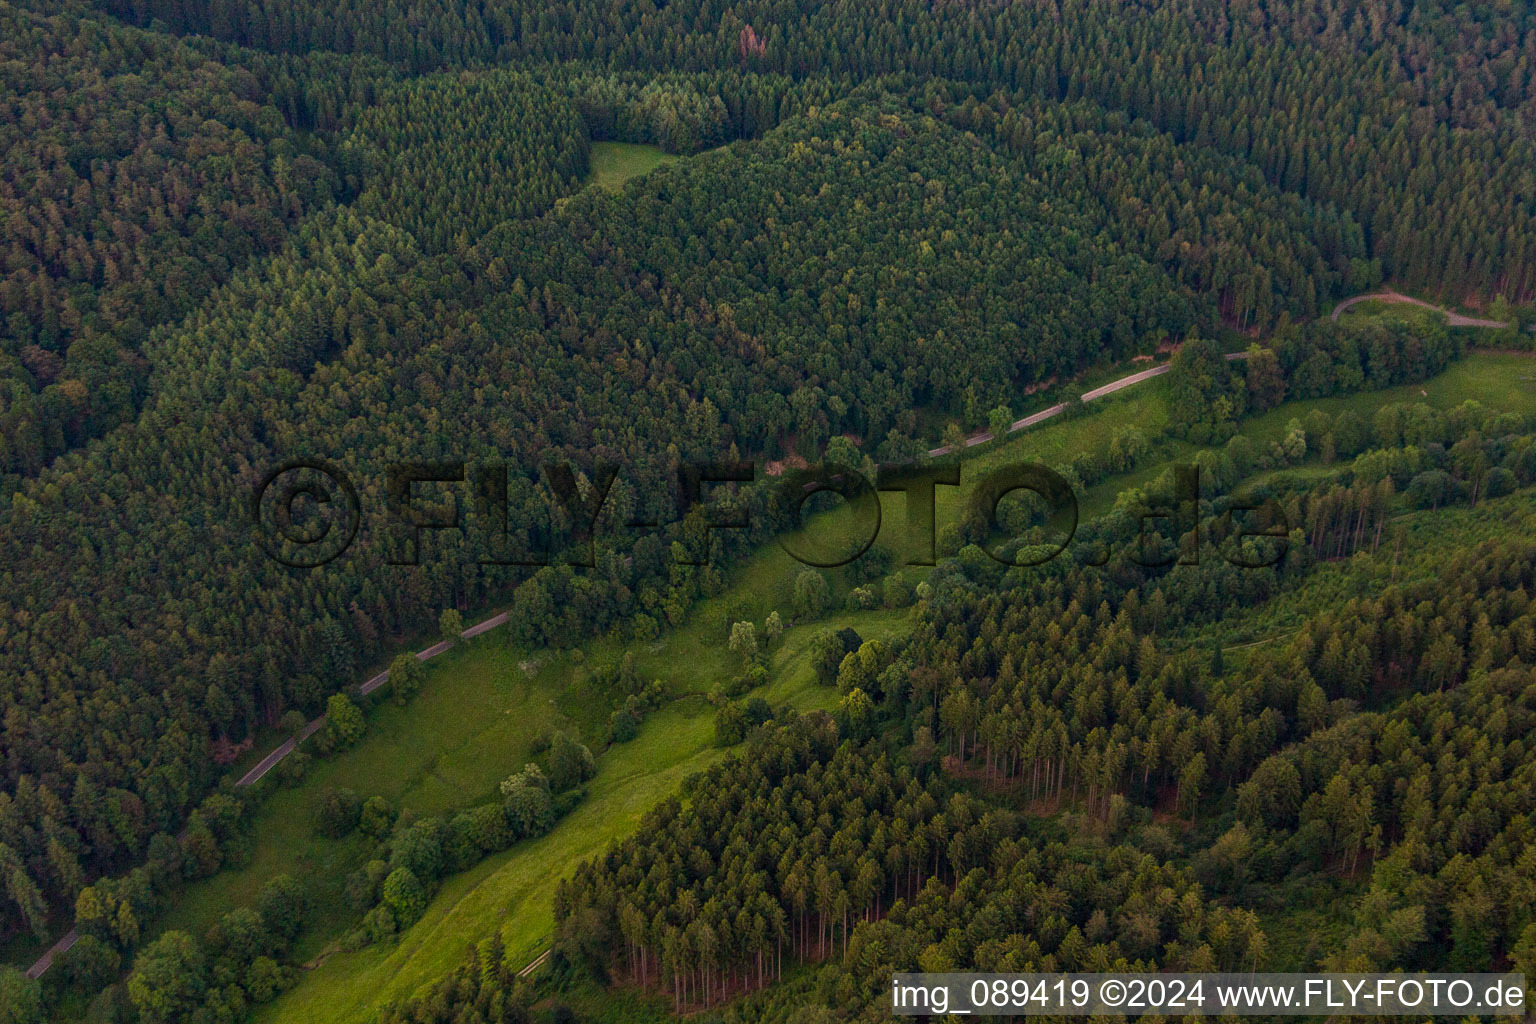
point(1431, 489)
point(493, 830)
point(344, 723)
point(283, 904)
point(88, 966)
point(863, 599)
point(265, 979)
point(340, 810)
point(419, 849)
point(623, 726)
point(897, 591)
point(529, 808)
point(291, 769)
point(570, 763)
point(168, 979)
point(756, 712)
point(164, 858)
point(21, 998)
point(404, 896)
point(379, 924)
point(812, 594)
point(730, 725)
point(743, 642)
point(363, 885)
point(405, 677)
point(754, 677)
point(1499, 482)
point(828, 650)
point(376, 818)
point(461, 847)
point(200, 855)
point(564, 803)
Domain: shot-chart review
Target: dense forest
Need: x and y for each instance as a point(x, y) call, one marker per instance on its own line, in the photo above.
point(1056, 694)
point(247, 231)
point(1408, 115)
point(634, 328)
point(1032, 780)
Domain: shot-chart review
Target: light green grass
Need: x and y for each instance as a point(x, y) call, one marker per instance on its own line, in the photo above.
point(1503, 382)
point(471, 726)
point(1399, 312)
point(474, 723)
point(611, 164)
point(514, 891)
point(482, 705)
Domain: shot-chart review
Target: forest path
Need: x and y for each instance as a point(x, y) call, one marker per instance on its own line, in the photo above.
point(1058, 409)
point(271, 761)
point(534, 965)
point(266, 764)
point(1388, 295)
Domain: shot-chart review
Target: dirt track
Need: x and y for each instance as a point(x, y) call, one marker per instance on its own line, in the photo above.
point(1451, 319)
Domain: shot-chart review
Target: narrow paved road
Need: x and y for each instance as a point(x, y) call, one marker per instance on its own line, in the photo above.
point(257, 773)
point(46, 960)
point(1388, 295)
point(1057, 410)
point(272, 760)
point(266, 764)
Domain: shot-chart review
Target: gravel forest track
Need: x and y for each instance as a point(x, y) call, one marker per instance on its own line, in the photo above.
point(1388, 295)
point(266, 764)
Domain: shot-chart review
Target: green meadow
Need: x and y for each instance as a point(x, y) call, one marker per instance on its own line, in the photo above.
point(484, 704)
point(513, 891)
point(611, 164)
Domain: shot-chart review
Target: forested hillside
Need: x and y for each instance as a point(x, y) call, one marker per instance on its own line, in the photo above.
point(448, 158)
point(139, 174)
point(1409, 115)
point(755, 299)
point(1055, 694)
point(248, 231)
point(1034, 780)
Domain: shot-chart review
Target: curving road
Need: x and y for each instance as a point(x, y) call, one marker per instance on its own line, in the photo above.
point(1388, 295)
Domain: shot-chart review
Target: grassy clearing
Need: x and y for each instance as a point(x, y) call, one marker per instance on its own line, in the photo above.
point(513, 891)
point(474, 723)
point(483, 704)
point(1502, 381)
point(1505, 382)
point(1402, 312)
point(470, 727)
point(611, 164)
